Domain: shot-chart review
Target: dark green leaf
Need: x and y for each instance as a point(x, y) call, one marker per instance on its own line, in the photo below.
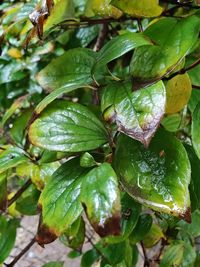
point(87, 160)
point(157, 177)
point(153, 236)
point(196, 130)
point(11, 157)
point(73, 67)
point(67, 126)
point(142, 228)
point(151, 63)
point(100, 195)
point(119, 46)
point(139, 113)
point(195, 181)
point(90, 257)
point(7, 236)
point(27, 203)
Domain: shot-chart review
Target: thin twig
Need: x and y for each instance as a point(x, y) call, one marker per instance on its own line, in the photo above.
point(21, 254)
point(195, 86)
point(139, 22)
point(146, 259)
point(19, 192)
point(193, 65)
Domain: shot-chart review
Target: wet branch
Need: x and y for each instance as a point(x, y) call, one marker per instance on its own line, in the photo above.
point(19, 192)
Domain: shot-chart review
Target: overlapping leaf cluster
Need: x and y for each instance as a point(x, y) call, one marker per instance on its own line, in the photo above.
point(100, 122)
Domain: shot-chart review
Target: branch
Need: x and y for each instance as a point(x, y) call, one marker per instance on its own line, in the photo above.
point(21, 254)
point(146, 259)
point(196, 87)
point(19, 192)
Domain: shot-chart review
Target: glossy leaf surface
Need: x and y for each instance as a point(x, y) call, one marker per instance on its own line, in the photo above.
point(151, 63)
point(69, 127)
point(73, 67)
point(139, 113)
point(119, 46)
point(157, 177)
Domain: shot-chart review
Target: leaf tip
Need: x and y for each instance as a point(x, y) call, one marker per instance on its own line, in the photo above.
point(112, 226)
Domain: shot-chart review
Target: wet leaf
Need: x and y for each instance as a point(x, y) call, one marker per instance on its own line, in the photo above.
point(130, 214)
point(7, 236)
point(178, 91)
point(60, 199)
point(69, 187)
point(196, 130)
point(153, 62)
point(11, 157)
point(157, 177)
point(192, 229)
point(142, 8)
point(142, 228)
point(139, 113)
point(69, 127)
point(72, 68)
point(100, 195)
point(119, 46)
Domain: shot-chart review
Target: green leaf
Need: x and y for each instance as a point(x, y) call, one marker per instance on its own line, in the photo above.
point(142, 8)
point(90, 257)
point(27, 203)
point(55, 94)
point(3, 191)
point(69, 187)
point(142, 228)
point(62, 10)
point(87, 160)
point(139, 113)
point(173, 255)
point(54, 264)
point(113, 253)
point(100, 195)
point(192, 229)
point(17, 104)
point(7, 236)
point(130, 214)
point(69, 127)
point(74, 237)
point(148, 174)
point(172, 122)
point(153, 236)
point(72, 68)
point(195, 181)
point(153, 62)
point(119, 46)
point(11, 157)
point(196, 130)
point(60, 199)
point(194, 100)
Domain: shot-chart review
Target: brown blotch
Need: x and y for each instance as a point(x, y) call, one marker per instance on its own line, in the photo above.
point(45, 235)
point(3, 204)
point(187, 215)
point(112, 226)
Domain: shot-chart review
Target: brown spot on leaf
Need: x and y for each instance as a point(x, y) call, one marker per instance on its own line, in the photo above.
point(187, 215)
point(112, 226)
point(45, 235)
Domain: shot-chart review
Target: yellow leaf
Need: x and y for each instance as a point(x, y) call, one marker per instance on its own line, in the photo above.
point(14, 52)
point(102, 8)
point(141, 8)
point(178, 91)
